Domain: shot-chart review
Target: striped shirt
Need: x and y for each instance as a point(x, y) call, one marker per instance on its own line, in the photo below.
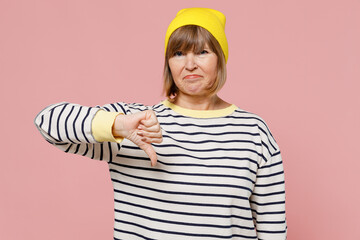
point(219, 173)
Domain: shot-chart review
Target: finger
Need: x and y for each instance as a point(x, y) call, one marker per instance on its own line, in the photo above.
point(152, 140)
point(149, 150)
point(149, 134)
point(149, 122)
point(150, 119)
point(153, 128)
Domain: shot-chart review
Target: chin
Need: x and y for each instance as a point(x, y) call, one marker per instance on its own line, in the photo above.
point(198, 94)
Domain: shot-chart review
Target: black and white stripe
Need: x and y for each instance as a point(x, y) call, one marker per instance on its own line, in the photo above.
point(216, 178)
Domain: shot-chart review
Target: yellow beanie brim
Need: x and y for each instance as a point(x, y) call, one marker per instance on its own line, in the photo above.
point(210, 19)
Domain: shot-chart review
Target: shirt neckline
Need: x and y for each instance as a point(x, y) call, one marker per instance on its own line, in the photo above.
point(200, 113)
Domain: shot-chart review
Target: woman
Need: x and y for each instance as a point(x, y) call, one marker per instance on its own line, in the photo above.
point(216, 169)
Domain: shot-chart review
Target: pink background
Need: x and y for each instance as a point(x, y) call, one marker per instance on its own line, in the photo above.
point(294, 63)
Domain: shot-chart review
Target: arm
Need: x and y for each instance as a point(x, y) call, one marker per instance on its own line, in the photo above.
point(69, 127)
point(97, 132)
point(267, 201)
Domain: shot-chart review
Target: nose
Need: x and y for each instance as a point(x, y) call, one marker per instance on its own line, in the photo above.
point(190, 63)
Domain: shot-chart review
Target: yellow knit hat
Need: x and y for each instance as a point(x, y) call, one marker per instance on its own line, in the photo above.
point(210, 19)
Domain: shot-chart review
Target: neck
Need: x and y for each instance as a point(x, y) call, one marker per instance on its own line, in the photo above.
point(199, 102)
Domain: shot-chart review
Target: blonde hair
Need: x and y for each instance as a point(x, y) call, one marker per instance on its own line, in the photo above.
point(192, 37)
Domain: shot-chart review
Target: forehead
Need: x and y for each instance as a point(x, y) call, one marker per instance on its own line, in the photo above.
point(190, 38)
point(192, 44)
point(193, 47)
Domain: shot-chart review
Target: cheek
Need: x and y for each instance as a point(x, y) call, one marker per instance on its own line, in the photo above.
point(212, 71)
point(211, 67)
point(175, 71)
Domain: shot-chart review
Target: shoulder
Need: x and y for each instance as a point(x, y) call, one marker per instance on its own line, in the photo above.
point(263, 130)
point(250, 117)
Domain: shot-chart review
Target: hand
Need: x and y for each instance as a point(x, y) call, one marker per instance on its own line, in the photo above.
point(142, 128)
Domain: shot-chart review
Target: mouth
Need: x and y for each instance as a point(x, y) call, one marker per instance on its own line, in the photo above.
point(193, 76)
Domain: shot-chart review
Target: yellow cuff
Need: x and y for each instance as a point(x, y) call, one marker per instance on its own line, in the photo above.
point(101, 126)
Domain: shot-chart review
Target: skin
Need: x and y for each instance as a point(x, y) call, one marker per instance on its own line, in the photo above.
point(195, 93)
point(143, 128)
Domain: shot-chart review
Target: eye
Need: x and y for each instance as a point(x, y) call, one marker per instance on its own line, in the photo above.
point(178, 53)
point(204, 52)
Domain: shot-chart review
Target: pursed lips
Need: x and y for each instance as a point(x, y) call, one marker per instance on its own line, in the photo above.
point(192, 76)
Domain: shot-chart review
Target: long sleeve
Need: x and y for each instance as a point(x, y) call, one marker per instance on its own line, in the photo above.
point(268, 197)
point(102, 126)
point(268, 201)
point(69, 127)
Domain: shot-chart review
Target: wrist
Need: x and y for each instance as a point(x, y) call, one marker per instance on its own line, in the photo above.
point(118, 126)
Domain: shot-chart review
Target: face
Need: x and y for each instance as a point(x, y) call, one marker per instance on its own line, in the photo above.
point(194, 73)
